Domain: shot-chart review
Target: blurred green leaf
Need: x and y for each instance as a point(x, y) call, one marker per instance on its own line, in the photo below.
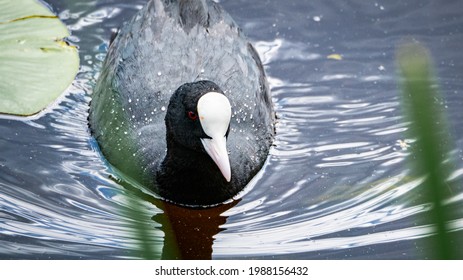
point(429, 154)
point(36, 65)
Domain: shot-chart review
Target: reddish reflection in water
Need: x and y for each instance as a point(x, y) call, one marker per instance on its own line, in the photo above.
point(189, 233)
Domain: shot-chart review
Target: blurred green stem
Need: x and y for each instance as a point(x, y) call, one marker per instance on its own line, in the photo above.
point(422, 106)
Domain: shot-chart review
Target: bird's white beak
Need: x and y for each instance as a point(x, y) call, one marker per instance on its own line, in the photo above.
point(217, 150)
point(214, 112)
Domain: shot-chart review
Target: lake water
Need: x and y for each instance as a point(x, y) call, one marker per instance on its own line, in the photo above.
point(337, 184)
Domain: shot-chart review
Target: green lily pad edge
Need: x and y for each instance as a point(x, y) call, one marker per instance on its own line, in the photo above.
point(36, 64)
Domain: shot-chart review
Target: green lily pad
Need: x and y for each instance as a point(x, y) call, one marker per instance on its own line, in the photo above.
point(36, 65)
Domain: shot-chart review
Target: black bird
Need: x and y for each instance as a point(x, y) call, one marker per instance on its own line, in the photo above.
point(182, 104)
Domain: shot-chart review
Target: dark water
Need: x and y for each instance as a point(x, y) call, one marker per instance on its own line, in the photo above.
point(336, 185)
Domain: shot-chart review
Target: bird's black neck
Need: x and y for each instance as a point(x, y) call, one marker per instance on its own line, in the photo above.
point(187, 176)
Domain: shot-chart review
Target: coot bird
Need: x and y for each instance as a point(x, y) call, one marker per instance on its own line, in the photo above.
point(182, 104)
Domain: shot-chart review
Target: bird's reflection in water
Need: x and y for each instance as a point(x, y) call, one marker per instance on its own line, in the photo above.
point(189, 233)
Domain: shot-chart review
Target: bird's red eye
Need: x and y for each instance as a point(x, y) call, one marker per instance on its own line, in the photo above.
point(192, 115)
